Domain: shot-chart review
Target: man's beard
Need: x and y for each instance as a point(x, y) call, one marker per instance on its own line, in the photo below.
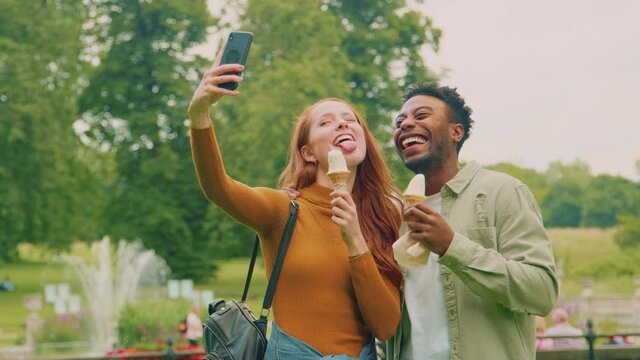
point(434, 159)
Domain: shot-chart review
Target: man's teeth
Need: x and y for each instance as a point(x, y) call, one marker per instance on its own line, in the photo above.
point(414, 139)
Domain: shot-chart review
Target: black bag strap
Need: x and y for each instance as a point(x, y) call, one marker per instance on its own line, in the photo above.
point(275, 273)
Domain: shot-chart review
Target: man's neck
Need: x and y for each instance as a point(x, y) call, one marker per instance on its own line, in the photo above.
point(436, 177)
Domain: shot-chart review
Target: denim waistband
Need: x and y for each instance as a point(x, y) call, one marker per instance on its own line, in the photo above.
point(283, 346)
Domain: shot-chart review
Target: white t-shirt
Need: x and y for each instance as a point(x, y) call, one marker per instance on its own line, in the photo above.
point(424, 298)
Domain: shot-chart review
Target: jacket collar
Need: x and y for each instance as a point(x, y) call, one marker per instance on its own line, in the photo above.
point(463, 177)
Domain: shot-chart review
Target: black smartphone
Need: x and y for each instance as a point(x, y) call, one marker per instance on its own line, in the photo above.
point(235, 52)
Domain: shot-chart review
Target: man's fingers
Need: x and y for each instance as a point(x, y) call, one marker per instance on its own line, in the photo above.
point(414, 213)
point(425, 208)
point(418, 226)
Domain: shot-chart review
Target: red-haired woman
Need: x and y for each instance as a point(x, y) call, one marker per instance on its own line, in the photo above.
point(339, 285)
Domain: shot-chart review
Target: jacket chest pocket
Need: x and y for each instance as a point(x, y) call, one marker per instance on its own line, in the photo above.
point(485, 236)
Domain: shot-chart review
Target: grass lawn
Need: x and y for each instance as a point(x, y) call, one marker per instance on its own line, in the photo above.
point(576, 250)
point(30, 278)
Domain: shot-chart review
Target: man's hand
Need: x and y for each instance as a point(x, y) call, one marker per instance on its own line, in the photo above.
point(291, 191)
point(429, 227)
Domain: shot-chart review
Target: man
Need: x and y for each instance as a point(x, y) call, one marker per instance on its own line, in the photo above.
point(491, 265)
point(561, 327)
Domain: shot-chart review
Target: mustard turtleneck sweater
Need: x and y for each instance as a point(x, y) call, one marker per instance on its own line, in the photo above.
point(324, 299)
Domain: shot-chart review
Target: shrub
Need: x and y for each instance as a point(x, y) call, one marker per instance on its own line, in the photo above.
point(628, 236)
point(147, 324)
point(63, 329)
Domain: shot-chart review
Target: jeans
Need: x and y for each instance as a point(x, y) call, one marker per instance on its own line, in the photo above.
point(283, 346)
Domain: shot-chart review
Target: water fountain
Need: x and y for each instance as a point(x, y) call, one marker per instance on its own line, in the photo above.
point(108, 284)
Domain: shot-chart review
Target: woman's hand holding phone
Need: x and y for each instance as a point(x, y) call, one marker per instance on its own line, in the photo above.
point(209, 91)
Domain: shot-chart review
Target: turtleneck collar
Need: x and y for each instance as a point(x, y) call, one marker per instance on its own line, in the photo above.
point(317, 194)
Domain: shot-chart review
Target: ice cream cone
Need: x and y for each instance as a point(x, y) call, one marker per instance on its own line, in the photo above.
point(340, 179)
point(412, 200)
point(408, 252)
point(417, 249)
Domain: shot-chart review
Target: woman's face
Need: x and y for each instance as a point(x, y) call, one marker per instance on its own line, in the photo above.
point(334, 126)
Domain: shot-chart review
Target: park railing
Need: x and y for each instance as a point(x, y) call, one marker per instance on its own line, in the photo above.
point(602, 352)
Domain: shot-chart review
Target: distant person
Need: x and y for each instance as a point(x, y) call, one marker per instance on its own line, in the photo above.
point(7, 284)
point(541, 326)
point(561, 327)
point(339, 285)
point(194, 326)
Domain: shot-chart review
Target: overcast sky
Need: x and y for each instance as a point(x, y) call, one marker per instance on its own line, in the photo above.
point(547, 80)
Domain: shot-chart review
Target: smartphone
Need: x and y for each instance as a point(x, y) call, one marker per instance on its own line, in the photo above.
point(235, 52)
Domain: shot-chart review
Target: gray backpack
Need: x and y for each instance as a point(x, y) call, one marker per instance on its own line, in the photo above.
point(232, 332)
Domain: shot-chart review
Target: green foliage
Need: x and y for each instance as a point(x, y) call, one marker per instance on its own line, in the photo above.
point(562, 207)
point(592, 253)
point(148, 324)
point(536, 181)
point(135, 104)
point(608, 197)
point(63, 329)
point(46, 186)
point(619, 264)
point(628, 236)
point(303, 51)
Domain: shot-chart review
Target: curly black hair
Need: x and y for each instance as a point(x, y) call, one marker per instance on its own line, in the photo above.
point(460, 111)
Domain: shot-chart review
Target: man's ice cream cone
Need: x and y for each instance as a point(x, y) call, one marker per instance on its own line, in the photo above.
point(408, 252)
point(412, 200)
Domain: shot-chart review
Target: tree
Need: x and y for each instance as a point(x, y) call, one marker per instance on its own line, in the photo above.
point(135, 104)
point(337, 49)
point(46, 187)
point(383, 41)
point(608, 197)
point(629, 235)
point(562, 206)
point(578, 172)
point(536, 181)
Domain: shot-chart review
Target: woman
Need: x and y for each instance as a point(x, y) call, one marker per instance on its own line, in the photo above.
point(339, 286)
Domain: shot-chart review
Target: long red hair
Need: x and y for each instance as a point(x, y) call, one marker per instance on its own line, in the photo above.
point(373, 192)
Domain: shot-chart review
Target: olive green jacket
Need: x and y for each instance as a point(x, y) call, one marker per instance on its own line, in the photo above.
point(498, 271)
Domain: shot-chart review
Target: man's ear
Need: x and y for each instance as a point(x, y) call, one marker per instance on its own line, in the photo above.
point(457, 132)
point(308, 155)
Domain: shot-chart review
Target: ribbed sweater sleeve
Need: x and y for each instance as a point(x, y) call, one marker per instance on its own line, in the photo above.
point(259, 208)
point(378, 298)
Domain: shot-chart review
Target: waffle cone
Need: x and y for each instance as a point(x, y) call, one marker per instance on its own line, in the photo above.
point(413, 199)
point(339, 179)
